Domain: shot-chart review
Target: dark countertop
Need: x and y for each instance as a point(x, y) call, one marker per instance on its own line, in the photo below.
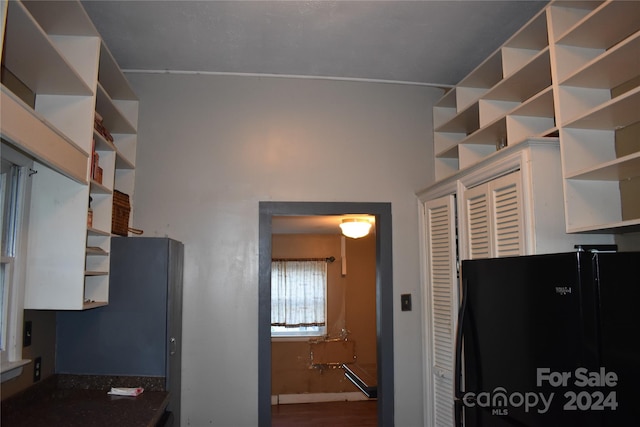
point(51, 403)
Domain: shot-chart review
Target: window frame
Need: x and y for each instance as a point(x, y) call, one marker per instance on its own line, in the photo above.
point(14, 265)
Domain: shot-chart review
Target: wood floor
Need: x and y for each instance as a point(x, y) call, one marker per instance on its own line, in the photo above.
point(326, 414)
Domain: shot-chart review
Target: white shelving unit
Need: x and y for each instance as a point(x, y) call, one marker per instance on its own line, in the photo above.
point(573, 72)
point(504, 101)
point(61, 75)
point(597, 52)
point(563, 96)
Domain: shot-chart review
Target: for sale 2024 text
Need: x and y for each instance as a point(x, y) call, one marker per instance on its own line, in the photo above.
point(584, 400)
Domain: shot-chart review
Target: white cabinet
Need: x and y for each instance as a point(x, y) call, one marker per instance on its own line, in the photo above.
point(57, 77)
point(508, 204)
point(493, 217)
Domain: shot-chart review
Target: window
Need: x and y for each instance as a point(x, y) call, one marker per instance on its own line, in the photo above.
point(14, 196)
point(298, 298)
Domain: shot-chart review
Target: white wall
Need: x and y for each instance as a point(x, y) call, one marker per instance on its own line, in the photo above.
point(211, 147)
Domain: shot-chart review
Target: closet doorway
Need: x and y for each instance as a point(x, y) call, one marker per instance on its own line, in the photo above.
point(384, 295)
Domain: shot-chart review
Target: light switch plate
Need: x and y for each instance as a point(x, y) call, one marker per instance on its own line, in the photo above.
point(405, 302)
point(26, 335)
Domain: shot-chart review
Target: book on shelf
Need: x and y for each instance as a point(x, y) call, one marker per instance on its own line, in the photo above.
point(101, 128)
point(97, 175)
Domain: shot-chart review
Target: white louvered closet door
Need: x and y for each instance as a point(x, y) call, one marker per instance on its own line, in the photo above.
point(476, 205)
point(443, 285)
point(507, 227)
point(494, 218)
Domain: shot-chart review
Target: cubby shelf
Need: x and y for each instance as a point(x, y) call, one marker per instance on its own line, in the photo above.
point(31, 55)
point(115, 120)
point(465, 122)
point(603, 27)
point(619, 169)
point(614, 67)
point(616, 113)
point(101, 143)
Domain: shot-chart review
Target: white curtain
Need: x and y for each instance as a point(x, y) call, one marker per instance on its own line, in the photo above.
point(298, 290)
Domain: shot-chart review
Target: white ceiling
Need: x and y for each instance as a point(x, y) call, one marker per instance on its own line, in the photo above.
point(429, 42)
point(424, 42)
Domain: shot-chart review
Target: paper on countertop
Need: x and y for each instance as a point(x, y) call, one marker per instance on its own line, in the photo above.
point(126, 391)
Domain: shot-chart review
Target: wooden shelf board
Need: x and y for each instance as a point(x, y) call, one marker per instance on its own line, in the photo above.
point(67, 18)
point(96, 250)
point(94, 304)
point(547, 133)
point(111, 77)
point(30, 55)
point(96, 273)
point(101, 143)
point(32, 133)
point(95, 232)
point(532, 36)
point(632, 225)
point(615, 170)
point(539, 105)
point(122, 162)
point(614, 67)
point(595, 30)
point(448, 100)
point(486, 75)
point(97, 188)
point(613, 114)
point(448, 153)
point(489, 134)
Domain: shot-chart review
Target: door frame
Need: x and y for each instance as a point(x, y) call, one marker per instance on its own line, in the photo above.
point(384, 296)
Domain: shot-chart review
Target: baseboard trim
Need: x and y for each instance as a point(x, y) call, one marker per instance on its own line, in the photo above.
point(285, 399)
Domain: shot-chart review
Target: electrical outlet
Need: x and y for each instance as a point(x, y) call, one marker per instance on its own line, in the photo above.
point(405, 302)
point(26, 334)
point(37, 369)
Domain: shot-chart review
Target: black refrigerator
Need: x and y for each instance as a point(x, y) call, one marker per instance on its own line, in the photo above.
point(549, 340)
point(139, 332)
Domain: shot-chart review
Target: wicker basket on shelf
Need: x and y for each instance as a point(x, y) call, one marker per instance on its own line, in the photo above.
point(120, 214)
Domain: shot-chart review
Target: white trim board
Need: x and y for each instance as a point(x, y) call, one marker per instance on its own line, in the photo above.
point(285, 399)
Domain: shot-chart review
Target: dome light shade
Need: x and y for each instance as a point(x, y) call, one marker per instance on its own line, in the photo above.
point(355, 228)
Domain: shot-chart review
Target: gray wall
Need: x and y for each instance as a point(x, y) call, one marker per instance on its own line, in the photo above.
point(211, 147)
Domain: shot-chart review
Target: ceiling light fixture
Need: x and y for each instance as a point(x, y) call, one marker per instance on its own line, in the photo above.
point(355, 228)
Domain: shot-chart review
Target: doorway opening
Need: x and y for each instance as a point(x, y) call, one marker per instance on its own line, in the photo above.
point(384, 296)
